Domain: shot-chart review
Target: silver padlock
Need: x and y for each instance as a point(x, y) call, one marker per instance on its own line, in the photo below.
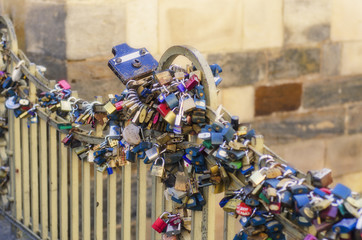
point(152, 153)
point(65, 106)
point(189, 104)
point(131, 134)
point(158, 170)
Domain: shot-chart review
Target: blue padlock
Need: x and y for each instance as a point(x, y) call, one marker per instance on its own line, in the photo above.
point(250, 134)
point(346, 225)
point(207, 128)
point(217, 126)
point(200, 92)
point(286, 199)
point(247, 171)
point(172, 101)
point(99, 160)
point(319, 192)
point(298, 189)
point(273, 226)
point(109, 170)
point(224, 201)
point(181, 87)
point(341, 191)
point(272, 182)
point(216, 69)
point(257, 221)
point(277, 236)
point(130, 63)
point(228, 132)
point(217, 138)
point(301, 200)
point(240, 236)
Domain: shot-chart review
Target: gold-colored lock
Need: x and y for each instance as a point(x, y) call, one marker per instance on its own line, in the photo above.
point(170, 118)
point(109, 107)
point(164, 77)
point(273, 173)
point(231, 205)
point(256, 178)
point(65, 106)
point(181, 181)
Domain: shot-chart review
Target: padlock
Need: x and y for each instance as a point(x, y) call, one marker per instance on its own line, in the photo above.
point(301, 200)
point(192, 82)
point(273, 226)
point(243, 210)
point(231, 205)
point(189, 104)
point(172, 101)
point(257, 221)
point(170, 118)
point(273, 173)
point(160, 224)
point(346, 225)
point(173, 230)
point(173, 237)
point(341, 191)
point(307, 212)
point(65, 106)
point(110, 108)
point(163, 109)
point(256, 178)
point(216, 138)
point(164, 77)
point(158, 170)
point(321, 178)
point(298, 189)
point(240, 236)
point(152, 153)
point(181, 181)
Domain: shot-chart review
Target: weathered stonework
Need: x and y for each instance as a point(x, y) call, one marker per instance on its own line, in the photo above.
point(354, 115)
point(285, 97)
point(351, 58)
point(342, 154)
point(331, 59)
point(306, 21)
point(290, 127)
point(332, 92)
point(292, 63)
point(240, 68)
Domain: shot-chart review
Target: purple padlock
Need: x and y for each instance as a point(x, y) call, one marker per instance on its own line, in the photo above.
point(181, 87)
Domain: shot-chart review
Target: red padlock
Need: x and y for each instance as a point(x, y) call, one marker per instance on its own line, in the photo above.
point(163, 109)
point(174, 221)
point(160, 224)
point(192, 82)
point(243, 210)
point(275, 207)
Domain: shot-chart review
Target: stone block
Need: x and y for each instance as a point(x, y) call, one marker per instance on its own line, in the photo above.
point(354, 116)
point(343, 154)
point(287, 127)
point(351, 58)
point(244, 95)
point(142, 24)
point(292, 63)
point(85, 75)
point(346, 20)
point(284, 97)
point(303, 155)
point(263, 24)
point(209, 26)
point(306, 21)
point(240, 68)
point(45, 32)
point(56, 68)
point(331, 59)
point(93, 29)
point(332, 92)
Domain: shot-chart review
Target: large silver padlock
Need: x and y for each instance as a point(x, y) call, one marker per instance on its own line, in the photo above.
point(158, 170)
point(188, 104)
point(152, 153)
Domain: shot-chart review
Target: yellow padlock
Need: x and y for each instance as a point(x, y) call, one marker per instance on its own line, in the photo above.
point(170, 118)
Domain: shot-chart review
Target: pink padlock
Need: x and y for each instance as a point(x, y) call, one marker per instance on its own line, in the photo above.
point(310, 237)
point(192, 82)
point(64, 84)
point(119, 105)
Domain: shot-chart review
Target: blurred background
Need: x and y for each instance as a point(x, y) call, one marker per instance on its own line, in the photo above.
point(291, 68)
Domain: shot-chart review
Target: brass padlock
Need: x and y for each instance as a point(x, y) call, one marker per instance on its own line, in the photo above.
point(65, 106)
point(109, 107)
point(231, 205)
point(181, 181)
point(170, 118)
point(158, 170)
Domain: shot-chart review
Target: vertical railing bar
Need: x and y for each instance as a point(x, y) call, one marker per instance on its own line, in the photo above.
point(25, 171)
point(98, 193)
point(229, 229)
point(74, 195)
point(53, 188)
point(43, 179)
point(196, 233)
point(34, 181)
point(157, 202)
point(126, 201)
point(86, 200)
point(112, 206)
point(64, 230)
point(11, 159)
point(141, 200)
point(17, 167)
point(211, 214)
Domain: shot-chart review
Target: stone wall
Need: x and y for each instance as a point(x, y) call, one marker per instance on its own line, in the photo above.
point(291, 68)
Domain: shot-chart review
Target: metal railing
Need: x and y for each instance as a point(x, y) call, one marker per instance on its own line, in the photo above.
point(54, 195)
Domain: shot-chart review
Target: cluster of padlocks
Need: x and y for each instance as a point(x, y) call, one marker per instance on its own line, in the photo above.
point(161, 119)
